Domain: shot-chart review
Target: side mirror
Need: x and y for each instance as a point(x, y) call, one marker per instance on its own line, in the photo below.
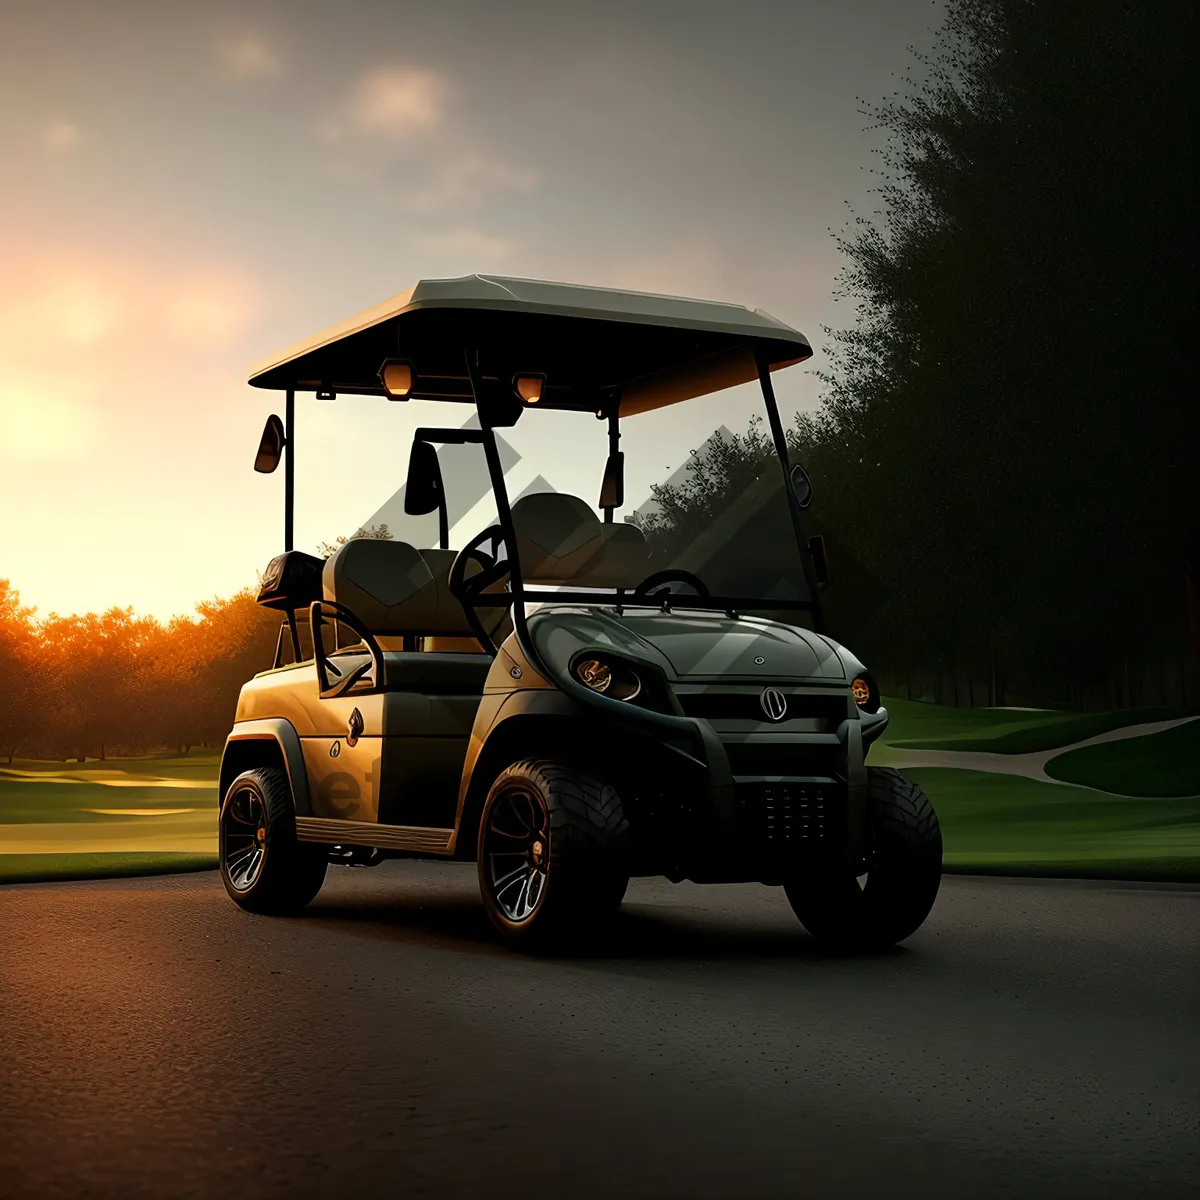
point(423, 492)
point(270, 448)
point(816, 550)
point(801, 485)
point(612, 490)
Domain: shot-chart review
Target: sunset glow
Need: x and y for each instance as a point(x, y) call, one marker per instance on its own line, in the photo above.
point(188, 193)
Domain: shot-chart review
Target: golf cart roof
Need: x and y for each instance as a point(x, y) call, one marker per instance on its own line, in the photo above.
point(588, 342)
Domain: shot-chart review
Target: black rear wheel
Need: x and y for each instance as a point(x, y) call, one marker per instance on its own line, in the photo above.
point(553, 857)
point(891, 900)
point(264, 868)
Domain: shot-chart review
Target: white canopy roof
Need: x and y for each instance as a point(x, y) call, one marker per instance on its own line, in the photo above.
point(655, 349)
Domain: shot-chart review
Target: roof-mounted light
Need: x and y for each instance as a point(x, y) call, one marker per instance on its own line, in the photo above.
point(529, 387)
point(397, 377)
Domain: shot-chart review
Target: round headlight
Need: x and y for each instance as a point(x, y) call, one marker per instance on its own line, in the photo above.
point(595, 674)
point(610, 678)
point(865, 693)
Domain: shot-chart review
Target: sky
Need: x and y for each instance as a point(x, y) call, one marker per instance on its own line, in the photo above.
point(185, 189)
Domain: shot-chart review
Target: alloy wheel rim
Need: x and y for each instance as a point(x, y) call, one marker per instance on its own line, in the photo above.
point(517, 849)
point(243, 839)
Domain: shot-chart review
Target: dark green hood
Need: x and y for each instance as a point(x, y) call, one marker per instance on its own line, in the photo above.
point(696, 644)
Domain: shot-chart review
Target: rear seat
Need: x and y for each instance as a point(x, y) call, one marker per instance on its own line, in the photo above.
point(390, 587)
point(496, 621)
point(400, 591)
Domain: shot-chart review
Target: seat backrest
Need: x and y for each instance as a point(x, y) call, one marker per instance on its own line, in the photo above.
point(495, 620)
point(624, 561)
point(558, 537)
point(389, 587)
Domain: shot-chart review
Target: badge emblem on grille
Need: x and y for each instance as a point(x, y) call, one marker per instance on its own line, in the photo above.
point(774, 703)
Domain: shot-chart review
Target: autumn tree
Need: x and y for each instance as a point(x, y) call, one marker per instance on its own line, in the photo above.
point(20, 681)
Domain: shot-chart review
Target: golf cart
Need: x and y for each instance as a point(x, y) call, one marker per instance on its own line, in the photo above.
point(565, 698)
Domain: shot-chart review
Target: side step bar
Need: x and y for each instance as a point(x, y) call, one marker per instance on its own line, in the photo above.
point(364, 833)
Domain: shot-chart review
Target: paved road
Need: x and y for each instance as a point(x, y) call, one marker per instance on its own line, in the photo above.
point(1034, 1039)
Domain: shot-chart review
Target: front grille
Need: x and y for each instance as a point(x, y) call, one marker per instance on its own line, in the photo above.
point(780, 758)
point(747, 706)
point(792, 814)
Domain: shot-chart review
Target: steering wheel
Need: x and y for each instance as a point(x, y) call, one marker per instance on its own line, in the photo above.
point(491, 568)
point(652, 583)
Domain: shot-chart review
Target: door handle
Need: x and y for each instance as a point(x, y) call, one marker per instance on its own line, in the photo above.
point(354, 727)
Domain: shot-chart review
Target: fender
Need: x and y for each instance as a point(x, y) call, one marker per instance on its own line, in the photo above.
point(240, 754)
point(504, 720)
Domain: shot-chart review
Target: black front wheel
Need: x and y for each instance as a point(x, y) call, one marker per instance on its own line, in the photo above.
point(552, 854)
point(891, 900)
point(263, 866)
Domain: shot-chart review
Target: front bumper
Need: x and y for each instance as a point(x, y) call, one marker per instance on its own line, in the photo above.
point(764, 805)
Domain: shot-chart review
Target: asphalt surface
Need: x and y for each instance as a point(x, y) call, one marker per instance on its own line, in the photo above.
point(1033, 1039)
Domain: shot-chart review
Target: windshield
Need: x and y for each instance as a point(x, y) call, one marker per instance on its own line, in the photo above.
point(701, 483)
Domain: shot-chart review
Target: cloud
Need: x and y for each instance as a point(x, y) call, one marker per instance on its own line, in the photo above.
point(249, 57)
point(383, 126)
point(397, 102)
point(472, 245)
point(61, 137)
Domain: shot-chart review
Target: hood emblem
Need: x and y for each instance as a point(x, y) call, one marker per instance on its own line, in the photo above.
point(774, 703)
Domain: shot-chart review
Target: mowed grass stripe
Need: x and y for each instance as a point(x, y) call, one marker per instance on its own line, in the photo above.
point(1157, 764)
point(1011, 825)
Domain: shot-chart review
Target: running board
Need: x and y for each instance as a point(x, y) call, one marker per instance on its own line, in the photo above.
point(364, 833)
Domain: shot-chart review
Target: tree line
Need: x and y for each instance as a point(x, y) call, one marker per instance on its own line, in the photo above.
point(1006, 453)
point(115, 683)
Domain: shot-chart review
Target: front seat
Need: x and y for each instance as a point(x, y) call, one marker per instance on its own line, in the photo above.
point(625, 560)
point(560, 539)
point(496, 621)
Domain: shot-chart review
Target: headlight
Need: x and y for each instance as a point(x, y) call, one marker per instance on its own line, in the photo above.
point(607, 677)
point(865, 693)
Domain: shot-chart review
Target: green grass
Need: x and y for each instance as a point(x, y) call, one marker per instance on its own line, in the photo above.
point(46, 868)
point(991, 823)
point(1005, 824)
point(916, 726)
point(1158, 764)
point(70, 820)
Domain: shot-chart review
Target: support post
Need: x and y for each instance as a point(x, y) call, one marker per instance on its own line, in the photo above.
point(289, 470)
point(781, 452)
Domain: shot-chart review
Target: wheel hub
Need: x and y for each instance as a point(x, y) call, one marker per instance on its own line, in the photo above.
point(243, 837)
point(516, 850)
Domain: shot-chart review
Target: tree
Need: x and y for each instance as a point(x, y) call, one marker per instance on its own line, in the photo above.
point(20, 682)
point(379, 532)
point(990, 444)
